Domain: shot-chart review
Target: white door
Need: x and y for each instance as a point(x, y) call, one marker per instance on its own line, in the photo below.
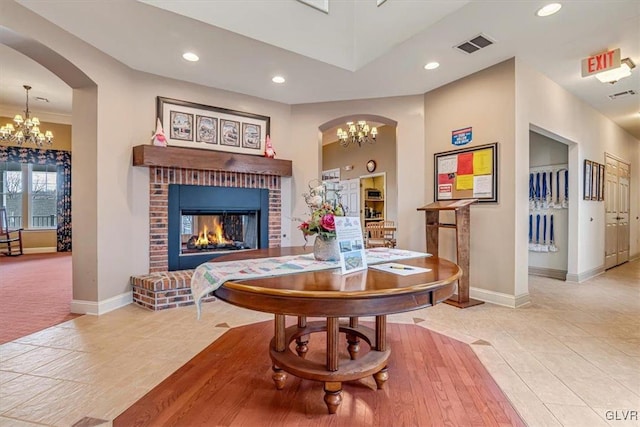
point(351, 196)
point(616, 212)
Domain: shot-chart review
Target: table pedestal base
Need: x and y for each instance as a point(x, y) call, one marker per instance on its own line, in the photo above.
point(333, 373)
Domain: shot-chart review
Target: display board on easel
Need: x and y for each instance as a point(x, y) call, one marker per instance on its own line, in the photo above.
point(469, 173)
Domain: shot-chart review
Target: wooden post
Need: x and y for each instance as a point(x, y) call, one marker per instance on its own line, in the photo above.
point(463, 230)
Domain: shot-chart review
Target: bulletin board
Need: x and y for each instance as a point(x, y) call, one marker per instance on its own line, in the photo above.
point(469, 173)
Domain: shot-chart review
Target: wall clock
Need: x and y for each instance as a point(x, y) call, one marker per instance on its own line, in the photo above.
point(371, 165)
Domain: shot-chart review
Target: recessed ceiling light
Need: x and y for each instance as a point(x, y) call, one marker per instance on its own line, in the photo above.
point(190, 56)
point(431, 66)
point(278, 79)
point(549, 9)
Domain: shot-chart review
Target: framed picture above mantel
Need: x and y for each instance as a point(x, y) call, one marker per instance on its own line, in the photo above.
point(192, 125)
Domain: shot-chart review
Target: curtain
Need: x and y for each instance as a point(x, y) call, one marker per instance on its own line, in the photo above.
point(62, 161)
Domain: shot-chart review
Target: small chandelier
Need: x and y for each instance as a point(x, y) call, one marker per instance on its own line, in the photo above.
point(357, 133)
point(26, 129)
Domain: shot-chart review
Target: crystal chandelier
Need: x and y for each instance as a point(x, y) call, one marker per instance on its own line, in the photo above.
point(357, 133)
point(25, 130)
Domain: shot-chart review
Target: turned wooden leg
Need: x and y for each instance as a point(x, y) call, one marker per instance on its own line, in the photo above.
point(332, 396)
point(354, 341)
point(381, 377)
point(279, 377)
point(354, 346)
point(301, 347)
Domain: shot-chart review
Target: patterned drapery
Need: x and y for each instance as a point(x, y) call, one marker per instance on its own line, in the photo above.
point(62, 161)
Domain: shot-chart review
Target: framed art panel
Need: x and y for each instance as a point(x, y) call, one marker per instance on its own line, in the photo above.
point(595, 185)
point(251, 136)
point(181, 125)
point(587, 180)
point(469, 173)
point(206, 129)
point(601, 173)
point(229, 133)
point(193, 125)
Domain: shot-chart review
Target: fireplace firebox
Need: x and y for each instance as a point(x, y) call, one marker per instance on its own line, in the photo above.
point(206, 222)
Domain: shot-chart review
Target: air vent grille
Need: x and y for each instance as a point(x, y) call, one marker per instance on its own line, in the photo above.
point(622, 94)
point(476, 43)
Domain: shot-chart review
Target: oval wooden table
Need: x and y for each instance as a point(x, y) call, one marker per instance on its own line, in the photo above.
point(332, 296)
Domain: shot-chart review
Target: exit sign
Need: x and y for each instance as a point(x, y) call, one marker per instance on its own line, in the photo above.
point(601, 62)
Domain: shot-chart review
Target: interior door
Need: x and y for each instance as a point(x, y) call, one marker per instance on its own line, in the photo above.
point(351, 196)
point(616, 212)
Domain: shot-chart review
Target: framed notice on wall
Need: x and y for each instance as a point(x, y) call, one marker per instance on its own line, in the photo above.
point(470, 173)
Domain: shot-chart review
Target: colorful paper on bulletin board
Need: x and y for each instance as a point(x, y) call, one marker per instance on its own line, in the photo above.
point(445, 178)
point(464, 182)
point(482, 162)
point(465, 164)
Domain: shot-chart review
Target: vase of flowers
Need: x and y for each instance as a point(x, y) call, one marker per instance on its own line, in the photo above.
point(324, 203)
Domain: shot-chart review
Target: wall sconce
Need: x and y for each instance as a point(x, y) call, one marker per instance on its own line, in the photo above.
point(612, 76)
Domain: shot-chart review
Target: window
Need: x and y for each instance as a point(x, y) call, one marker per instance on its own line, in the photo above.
point(29, 192)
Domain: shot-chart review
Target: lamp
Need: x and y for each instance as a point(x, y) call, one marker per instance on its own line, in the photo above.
point(357, 133)
point(26, 129)
point(612, 76)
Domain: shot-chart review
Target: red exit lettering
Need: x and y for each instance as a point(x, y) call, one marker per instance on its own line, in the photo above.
point(601, 61)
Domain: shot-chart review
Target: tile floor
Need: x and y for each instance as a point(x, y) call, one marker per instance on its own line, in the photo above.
point(571, 357)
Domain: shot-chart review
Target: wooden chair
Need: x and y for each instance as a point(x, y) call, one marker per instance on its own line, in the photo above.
point(389, 233)
point(374, 233)
point(10, 240)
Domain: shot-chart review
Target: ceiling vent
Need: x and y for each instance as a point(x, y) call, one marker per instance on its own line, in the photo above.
point(622, 94)
point(476, 43)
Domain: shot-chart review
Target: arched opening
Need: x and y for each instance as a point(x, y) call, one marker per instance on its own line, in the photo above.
point(84, 148)
point(366, 171)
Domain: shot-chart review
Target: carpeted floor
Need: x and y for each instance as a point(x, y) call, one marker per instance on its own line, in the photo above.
point(35, 293)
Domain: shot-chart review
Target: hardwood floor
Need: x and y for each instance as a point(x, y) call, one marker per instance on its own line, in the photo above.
point(433, 380)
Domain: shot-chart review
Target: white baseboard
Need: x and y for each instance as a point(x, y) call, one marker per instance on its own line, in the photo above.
point(499, 298)
point(548, 272)
point(101, 307)
point(585, 275)
point(43, 250)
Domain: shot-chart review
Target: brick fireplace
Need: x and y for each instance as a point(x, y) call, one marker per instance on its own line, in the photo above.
point(162, 177)
point(162, 289)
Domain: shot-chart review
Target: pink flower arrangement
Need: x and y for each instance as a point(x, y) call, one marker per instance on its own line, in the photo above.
point(323, 212)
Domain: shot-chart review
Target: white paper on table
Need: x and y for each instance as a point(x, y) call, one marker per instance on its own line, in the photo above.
point(448, 164)
point(482, 185)
point(400, 269)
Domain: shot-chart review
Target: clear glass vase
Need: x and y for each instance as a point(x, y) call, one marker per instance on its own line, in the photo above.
point(326, 249)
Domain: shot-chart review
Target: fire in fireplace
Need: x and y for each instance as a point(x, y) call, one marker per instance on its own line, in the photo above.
point(205, 222)
point(229, 231)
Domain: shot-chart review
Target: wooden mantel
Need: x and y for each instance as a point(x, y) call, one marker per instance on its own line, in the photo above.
point(193, 158)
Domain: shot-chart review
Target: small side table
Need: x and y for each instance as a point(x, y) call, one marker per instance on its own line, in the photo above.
point(462, 227)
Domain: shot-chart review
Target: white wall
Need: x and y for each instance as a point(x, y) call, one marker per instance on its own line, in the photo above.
point(485, 101)
point(545, 105)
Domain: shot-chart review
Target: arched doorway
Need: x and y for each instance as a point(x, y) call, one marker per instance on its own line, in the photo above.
point(367, 171)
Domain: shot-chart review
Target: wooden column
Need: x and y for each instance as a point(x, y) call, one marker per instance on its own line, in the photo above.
point(462, 227)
